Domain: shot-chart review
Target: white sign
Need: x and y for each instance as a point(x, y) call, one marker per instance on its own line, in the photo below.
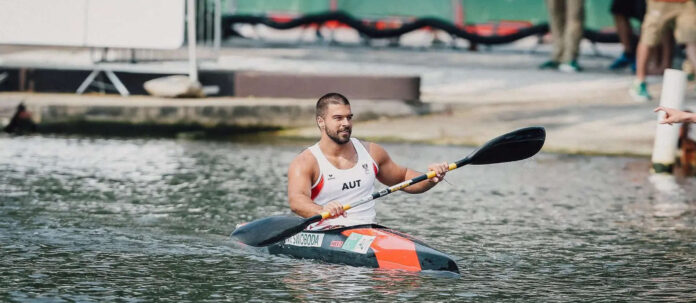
point(156, 24)
point(306, 240)
point(59, 22)
point(358, 243)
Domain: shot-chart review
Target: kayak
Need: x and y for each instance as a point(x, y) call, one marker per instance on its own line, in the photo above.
point(368, 245)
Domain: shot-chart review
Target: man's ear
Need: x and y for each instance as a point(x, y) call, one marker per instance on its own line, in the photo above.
point(320, 122)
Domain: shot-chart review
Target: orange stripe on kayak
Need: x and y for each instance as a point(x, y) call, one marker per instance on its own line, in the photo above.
point(392, 251)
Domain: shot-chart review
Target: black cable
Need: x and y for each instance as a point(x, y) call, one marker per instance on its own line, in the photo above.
point(372, 32)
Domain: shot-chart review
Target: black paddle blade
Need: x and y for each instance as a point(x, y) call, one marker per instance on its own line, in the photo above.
point(517, 145)
point(269, 230)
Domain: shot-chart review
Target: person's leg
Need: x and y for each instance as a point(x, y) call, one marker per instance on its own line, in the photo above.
point(688, 64)
point(638, 9)
point(654, 59)
point(685, 31)
point(622, 11)
point(688, 68)
point(639, 88)
point(691, 56)
point(666, 53)
point(625, 33)
point(642, 55)
point(650, 36)
point(557, 25)
point(573, 35)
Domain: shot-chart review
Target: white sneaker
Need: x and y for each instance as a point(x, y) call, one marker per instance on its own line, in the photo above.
point(570, 67)
point(639, 92)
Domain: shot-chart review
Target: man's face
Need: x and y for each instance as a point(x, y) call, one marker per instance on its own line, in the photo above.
point(338, 123)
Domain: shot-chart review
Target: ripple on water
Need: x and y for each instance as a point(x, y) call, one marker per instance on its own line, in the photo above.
point(142, 220)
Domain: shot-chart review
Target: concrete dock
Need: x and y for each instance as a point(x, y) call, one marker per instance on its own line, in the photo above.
point(466, 97)
point(60, 111)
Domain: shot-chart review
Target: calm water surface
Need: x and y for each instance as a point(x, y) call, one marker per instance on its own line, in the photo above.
point(131, 220)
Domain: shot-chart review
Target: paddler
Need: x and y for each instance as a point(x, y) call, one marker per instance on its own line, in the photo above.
point(339, 169)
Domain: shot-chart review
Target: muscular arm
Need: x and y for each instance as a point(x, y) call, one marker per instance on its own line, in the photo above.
point(299, 186)
point(302, 172)
point(391, 173)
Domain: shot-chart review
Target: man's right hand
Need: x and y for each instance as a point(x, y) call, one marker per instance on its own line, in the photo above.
point(334, 208)
point(674, 115)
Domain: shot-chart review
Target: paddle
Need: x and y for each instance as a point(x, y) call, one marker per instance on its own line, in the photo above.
point(517, 145)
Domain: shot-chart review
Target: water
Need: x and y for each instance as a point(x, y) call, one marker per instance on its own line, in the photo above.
point(131, 220)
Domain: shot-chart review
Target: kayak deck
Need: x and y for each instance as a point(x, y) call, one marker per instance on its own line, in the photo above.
point(368, 245)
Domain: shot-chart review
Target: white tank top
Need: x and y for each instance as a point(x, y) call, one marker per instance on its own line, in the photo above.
point(345, 186)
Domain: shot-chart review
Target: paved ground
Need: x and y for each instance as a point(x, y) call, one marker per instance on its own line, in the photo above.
point(485, 93)
point(488, 93)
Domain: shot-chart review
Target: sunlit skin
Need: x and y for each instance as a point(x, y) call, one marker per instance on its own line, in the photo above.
point(336, 126)
point(675, 116)
point(643, 54)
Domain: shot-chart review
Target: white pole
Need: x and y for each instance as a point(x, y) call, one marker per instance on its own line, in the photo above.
point(191, 27)
point(666, 136)
point(218, 28)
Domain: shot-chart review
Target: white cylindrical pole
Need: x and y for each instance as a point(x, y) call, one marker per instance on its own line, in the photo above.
point(191, 28)
point(218, 28)
point(666, 136)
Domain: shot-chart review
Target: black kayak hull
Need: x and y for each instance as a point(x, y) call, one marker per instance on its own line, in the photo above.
point(369, 245)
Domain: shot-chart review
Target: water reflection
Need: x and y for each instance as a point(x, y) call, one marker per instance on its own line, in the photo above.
point(127, 220)
point(312, 281)
point(670, 200)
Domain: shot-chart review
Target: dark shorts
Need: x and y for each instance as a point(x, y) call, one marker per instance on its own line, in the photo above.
point(629, 8)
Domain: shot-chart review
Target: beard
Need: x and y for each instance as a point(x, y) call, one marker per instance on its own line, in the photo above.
point(336, 137)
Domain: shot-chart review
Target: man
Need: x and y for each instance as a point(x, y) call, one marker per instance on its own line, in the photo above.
point(339, 169)
point(566, 22)
point(659, 15)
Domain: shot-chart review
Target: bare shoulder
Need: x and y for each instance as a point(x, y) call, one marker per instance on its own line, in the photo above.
point(366, 144)
point(304, 160)
point(304, 164)
point(377, 152)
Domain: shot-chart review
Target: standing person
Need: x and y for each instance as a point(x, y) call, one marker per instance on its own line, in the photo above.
point(339, 169)
point(21, 122)
point(566, 22)
point(623, 11)
point(658, 16)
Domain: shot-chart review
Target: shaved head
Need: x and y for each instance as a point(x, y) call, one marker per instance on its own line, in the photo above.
point(330, 98)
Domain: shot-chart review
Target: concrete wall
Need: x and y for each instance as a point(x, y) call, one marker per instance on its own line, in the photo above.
point(229, 82)
point(139, 115)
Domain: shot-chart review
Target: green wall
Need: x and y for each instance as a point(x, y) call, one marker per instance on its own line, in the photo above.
point(256, 7)
point(597, 14)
